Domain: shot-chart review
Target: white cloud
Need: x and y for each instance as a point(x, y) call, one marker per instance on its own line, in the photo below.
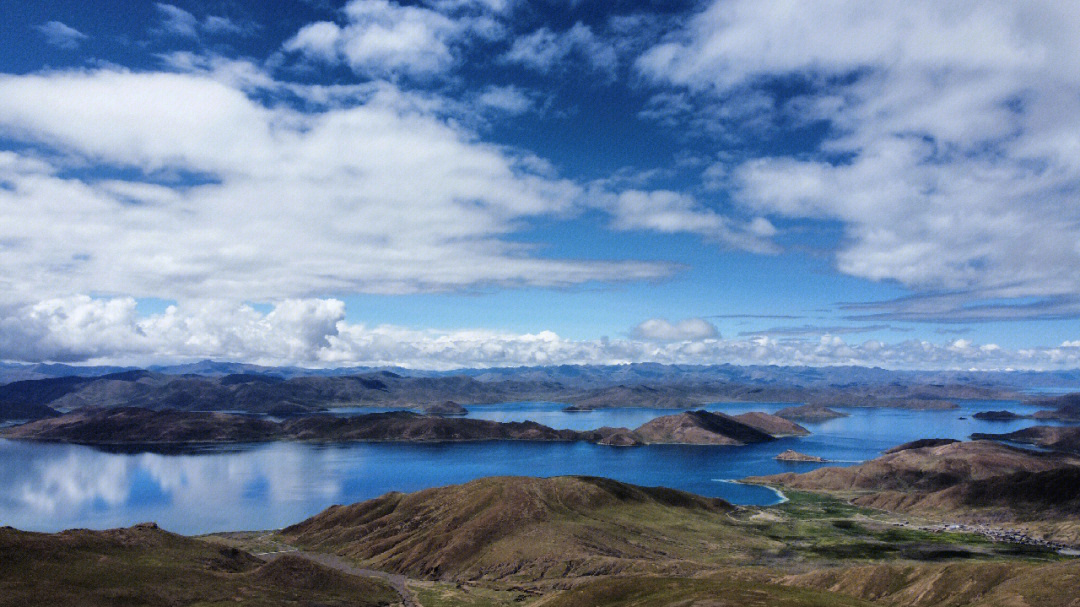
point(955, 131)
point(545, 50)
point(61, 35)
point(383, 38)
point(176, 21)
point(221, 25)
point(661, 329)
point(673, 212)
point(507, 99)
point(258, 203)
point(315, 333)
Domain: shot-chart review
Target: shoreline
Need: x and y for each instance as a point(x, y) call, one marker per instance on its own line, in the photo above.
point(783, 499)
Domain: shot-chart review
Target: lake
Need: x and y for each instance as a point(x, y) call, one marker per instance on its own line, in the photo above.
point(49, 487)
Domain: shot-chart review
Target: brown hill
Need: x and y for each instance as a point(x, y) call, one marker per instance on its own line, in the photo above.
point(922, 442)
point(144, 565)
point(446, 408)
point(135, 425)
point(405, 426)
point(977, 482)
point(525, 529)
point(24, 411)
point(985, 584)
point(809, 413)
point(700, 428)
point(772, 424)
point(1003, 415)
point(923, 469)
point(1052, 437)
point(1065, 408)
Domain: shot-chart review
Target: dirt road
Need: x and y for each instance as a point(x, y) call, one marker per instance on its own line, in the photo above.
point(397, 582)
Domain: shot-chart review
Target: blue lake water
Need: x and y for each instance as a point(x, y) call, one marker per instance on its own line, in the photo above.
point(48, 487)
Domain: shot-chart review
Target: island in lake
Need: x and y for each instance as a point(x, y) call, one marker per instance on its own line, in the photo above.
point(167, 427)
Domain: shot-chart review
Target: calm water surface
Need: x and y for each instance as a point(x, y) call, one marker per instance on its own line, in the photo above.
point(50, 487)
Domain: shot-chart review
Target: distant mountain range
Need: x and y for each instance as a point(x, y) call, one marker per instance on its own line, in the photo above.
point(597, 375)
point(652, 386)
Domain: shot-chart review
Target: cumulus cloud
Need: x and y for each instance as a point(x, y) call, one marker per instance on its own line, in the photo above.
point(61, 35)
point(545, 50)
point(951, 157)
point(240, 200)
point(314, 332)
point(383, 38)
point(661, 329)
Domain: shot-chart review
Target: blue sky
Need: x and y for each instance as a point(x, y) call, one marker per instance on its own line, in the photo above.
point(491, 182)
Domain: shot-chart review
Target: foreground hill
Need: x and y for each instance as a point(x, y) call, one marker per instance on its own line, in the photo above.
point(580, 541)
point(557, 542)
point(528, 529)
point(976, 481)
point(958, 584)
point(984, 584)
point(689, 592)
point(146, 566)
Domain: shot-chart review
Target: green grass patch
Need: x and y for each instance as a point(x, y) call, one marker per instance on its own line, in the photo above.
point(436, 594)
point(665, 592)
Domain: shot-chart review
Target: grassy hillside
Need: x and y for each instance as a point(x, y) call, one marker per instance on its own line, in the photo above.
point(980, 482)
point(560, 531)
point(531, 529)
point(664, 592)
point(557, 542)
point(997, 584)
point(146, 566)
